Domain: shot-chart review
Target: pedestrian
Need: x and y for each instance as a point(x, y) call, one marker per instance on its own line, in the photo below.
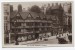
point(56, 34)
point(37, 39)
point(59, 35)
point(67, 34)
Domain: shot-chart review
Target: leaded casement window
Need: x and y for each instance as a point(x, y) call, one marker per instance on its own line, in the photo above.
point(43, 24)
point(6, 13)
point(36, 29)
point(22, 24)
point(29, 24)
point(5, 18)
point(48, 24)
point(37, 24)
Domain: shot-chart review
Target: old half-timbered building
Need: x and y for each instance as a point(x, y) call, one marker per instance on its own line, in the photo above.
point(30, 25)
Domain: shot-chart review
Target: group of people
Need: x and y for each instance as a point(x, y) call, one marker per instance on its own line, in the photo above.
point(64, 38)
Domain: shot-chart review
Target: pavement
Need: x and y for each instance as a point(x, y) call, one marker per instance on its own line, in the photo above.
point(51, 40)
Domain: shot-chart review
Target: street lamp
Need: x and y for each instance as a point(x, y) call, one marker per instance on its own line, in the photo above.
point(59, 31)
point(9, 31)
point(16, 35)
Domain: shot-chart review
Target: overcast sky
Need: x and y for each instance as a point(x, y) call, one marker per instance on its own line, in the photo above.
point(29, 4)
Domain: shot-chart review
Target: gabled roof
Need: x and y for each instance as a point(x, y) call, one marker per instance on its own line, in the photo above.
point(24, 14)
point(13, 14)
point(34, 15)
point(42, 16)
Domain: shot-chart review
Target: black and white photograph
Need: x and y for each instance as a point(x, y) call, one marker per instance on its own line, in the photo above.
point(37, 24)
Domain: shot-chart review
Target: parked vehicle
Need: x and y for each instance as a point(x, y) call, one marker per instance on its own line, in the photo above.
point(70, 37)
point(61, 40)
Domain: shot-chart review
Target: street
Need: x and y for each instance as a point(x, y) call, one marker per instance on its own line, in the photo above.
point(51, 40)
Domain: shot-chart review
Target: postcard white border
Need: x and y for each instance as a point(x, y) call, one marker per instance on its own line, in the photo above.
point(53, 45)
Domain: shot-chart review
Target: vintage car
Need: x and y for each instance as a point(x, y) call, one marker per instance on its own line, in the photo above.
point(70, 37)
point(62, 40)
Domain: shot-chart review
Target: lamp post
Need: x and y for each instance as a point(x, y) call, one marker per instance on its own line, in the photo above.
point(9, 31)
point(59, 31)
point(16, 35)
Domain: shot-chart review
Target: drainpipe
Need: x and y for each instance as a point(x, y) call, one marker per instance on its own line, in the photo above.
point(9, 38)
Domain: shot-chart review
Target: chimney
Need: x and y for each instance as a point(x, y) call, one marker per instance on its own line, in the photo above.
point(44, 9)
point(56, 4)
point(11, 8)
point(19, 8)
point(52, 4)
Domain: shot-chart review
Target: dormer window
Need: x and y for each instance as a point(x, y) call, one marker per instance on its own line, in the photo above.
point(29, 15)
